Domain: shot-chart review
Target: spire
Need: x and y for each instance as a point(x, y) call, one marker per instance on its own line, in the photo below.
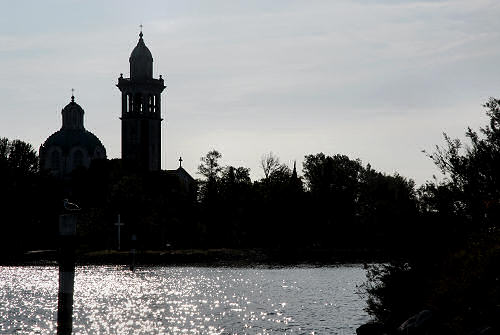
point(72, 95)
point(141, 60)
point(295, 182)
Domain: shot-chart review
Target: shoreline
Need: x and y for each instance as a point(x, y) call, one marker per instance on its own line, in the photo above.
point(204, 257)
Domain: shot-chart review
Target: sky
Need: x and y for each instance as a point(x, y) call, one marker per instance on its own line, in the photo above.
point(375, 80)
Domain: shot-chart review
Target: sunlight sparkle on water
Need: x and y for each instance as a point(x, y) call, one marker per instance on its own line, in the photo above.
point(186, 300)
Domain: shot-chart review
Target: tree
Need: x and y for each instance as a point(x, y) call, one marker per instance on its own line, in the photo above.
point(334, 182)
point(23, 158)
point(4, 150)
point(472, 169)
point(20, 185)
point(235, 184)
point(386, 210)
point(210, 167)
point(18, 157)
point(456, 271)
point(237, 176)
point(211, 170)
point(270, 163)
point(235, 207)
point(327, 174)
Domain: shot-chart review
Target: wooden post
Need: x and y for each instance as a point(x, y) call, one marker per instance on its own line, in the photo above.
point(67, 235)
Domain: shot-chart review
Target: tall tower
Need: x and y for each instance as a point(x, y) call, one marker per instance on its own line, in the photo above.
point(141, 111)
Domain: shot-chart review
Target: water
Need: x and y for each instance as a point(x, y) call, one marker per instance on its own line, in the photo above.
point(186, 300)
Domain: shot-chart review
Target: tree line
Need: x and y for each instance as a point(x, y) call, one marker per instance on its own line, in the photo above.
point(338, 203)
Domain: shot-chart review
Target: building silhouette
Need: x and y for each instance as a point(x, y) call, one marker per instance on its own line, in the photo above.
point(141, 111)
point(72, 146)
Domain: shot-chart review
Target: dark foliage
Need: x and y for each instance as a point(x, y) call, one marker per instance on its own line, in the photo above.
point(23, 199)
point(343, 205)
point(356, 205)
point(454, 270)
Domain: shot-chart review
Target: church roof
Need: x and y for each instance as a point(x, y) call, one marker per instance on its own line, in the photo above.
point(72, 116)
point(73, 106)
point(181, 172)
point(66, 139)
point(141, 61)
point(72, 132)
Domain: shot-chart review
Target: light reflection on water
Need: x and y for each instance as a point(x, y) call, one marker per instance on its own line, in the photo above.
point(186, 300)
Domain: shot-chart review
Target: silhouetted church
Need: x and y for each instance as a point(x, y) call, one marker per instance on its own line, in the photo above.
point(73, 146)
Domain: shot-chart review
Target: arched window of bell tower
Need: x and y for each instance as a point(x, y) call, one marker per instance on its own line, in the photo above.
point(151, 106)
point(130, 103)
point(138, 103)
point(157, 103)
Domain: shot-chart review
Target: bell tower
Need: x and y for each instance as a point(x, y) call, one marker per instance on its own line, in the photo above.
point(141, 111)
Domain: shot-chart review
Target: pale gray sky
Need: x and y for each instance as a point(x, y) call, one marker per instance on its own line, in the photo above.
point(376, 80)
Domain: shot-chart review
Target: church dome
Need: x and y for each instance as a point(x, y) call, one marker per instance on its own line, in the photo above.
point(72, 146)
point(73, 106)
point(141, 61)
point(67, 139)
